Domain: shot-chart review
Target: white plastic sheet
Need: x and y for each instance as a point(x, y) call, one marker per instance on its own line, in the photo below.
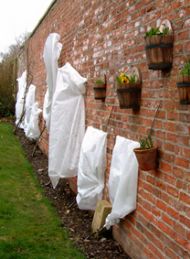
point(30, 100)
point(122, 180)
point(52, 50)
point(92, 166)
point(67, 125)
point(33, 131)
point(20, 99)
point(31, 127)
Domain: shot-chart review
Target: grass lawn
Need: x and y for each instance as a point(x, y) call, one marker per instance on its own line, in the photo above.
point(29, 225)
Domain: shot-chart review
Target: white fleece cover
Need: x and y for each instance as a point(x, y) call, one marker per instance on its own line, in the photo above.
point(123, 179)
point(92, 166)
point(33, 131)
point(20, 99)
point(52, 50)
point(67, 125)
point(30, 100)
point(31, 127)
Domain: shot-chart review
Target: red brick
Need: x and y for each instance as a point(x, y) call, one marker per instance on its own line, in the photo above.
point(172, 115)
point(169, 179)
point(171, 137)
point(169, 147)
point(156, 212)
point(167, 230)
point(186, 221)
point(182, 162)
point(173, 213)
point(182, 185)
point(145, 213)
point(166, 167)
point(185, 152)
point(184, 197)
point(180, 229)
point(168, 220)
point(147, 196)
point(178, 172)
point(170, 126)
point(181, 241)
point(170, 253)
point(172, 191)
point(155, 251)
point(161, 205)
point(148, 187)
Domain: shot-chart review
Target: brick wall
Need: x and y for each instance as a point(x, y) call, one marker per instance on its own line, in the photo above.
point(106, 37)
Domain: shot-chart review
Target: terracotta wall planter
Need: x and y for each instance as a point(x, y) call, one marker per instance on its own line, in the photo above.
point(147, 158)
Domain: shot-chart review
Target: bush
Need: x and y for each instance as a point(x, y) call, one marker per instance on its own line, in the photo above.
point(5, 110)
point(7, 88)
point(8, 75)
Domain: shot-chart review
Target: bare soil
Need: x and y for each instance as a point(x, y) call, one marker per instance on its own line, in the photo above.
point(77, 222)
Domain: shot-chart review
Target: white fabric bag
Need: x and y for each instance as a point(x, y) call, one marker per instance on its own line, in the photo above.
point(92, 166)
point(32, 112)
point(30, 100)
point(122, 180)
point(67, 125)
point(33, 131)
point(52, 50)
point(20, 99)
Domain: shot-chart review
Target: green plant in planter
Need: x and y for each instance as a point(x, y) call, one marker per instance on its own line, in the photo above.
point(152, 32)
point(146, 142)
point(125, 79)
point(156, 31)
point(133, 79)
point(146, 154)
point(186, 69)
point(100, 89)
point(159, 47)
point(184, 84)
point(129, 89)
point(99, 81)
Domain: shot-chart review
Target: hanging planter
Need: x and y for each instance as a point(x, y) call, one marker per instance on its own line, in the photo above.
point(129, 89)
point(100, 89)
point(159, 47)
point(147, 154)
point(184, 84)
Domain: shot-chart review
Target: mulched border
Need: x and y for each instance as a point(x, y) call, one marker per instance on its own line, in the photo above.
point(77, 222)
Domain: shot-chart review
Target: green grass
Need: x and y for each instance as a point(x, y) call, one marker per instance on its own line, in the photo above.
point(29, 225)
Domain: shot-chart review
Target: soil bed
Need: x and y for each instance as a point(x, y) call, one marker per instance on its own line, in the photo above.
point(77, 222)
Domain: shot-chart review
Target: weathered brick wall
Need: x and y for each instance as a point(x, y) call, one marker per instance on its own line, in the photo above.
point(106, 37)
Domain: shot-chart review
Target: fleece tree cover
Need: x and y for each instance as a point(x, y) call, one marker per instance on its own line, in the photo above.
point(19, 107)
point(52, 50)
point(92, 166)
point(67, 126)
point(122, 180)
point(31, 127)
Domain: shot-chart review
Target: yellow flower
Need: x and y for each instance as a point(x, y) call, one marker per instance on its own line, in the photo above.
point(125, 80)
point(122, 74)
